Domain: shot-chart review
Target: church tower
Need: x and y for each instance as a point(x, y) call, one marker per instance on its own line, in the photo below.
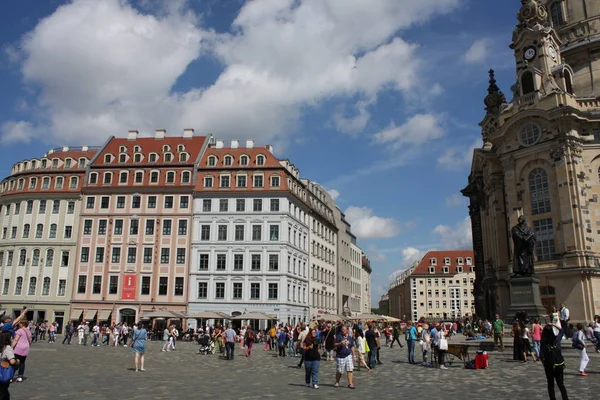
point(540, 159)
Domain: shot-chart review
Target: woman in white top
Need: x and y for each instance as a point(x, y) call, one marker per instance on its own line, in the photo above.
point(596, 327)
point(526, 344)
point(578, 340)
point(242, 336)
point(360, 346)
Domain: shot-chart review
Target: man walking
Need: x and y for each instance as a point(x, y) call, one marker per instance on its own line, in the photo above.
point(86, 332)
point(498, 332)
point(344, 357)
point(96, 333)
point(371, 340)
point(411, 338)
point(68, 333)
point(396, 336)
point(229, 342)
point(564, 321)
point(301, 338)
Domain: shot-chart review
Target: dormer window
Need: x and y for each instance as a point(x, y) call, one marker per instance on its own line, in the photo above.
point(260, 160)
point(166, 148)
point(469, 261)
point(459, 261)
point(55, 163)
point(168, 157)
point(137, 158)
point(459, 270)
point(170, 177)
point(432, 261)
point(244, 160)
point(44, 163)
point(122, 158)
point(228, 160)
point(180, 148)
point(432, 270)
point(122, 149)
point(445, 270)
point(212, 161)
point(153, 157)
point(107, 158)
point(81, 163)
point(137, 149)
point(46, 183)
point(33, 164)
point(447, 261)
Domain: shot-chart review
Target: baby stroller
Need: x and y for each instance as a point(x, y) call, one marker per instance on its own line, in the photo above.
point(207, 345)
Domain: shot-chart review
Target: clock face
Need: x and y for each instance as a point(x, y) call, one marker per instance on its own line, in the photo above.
point(552, 52)
point(529, 53)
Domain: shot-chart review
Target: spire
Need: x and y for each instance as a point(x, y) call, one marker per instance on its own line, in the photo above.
point(532, 13)
point(495, 97)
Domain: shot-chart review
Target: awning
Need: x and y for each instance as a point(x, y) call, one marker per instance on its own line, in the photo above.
point(89, 314)
point(75, 315)
point(104, 314)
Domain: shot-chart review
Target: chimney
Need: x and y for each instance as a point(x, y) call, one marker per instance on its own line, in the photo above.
point(160, 134)
point(66, 148)
point(249, 144)
point(188, 133)
point(51, 151)
point(219, 144)
point(132, 135)
point(84, 148)
point(235, 144)
point(269, 148)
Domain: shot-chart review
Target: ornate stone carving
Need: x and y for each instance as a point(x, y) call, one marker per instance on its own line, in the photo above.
point(532, 13)
point(495, 97)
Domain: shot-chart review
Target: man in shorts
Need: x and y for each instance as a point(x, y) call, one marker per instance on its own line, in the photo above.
point(345, 356)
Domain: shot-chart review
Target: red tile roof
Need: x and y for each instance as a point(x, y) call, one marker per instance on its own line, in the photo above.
point(270, 160)
point(440, 255)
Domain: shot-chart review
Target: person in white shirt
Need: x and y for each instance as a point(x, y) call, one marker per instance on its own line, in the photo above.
point(96, 333)
point(596, 327)
point(360, 346)
point(80, 331)
point(564, 320)
point(578, 340)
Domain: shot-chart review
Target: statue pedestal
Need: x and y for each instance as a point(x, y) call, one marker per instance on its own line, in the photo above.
point(525, 296)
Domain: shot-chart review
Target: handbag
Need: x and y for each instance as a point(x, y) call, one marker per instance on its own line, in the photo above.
point(443, 345)
point(7, 371)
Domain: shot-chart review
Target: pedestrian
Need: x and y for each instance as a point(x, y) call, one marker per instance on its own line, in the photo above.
point(301, 338)
point(361, 349)
point(396, 336)
point(21, 344)
point(8, 360)
point(442, 344)
point(52, 333)
point(554, 363)
point(312, 359)
point(596, 328)
point(498, 332)
point(426, 345)
point(282, 338)
point(250, 337)
point(80, 330)
point(344, 357)
point(371, 343)
point(166, 339)
point(68, 333)
point(229, 342)
point(411, 338)
point(578, 340)
point(9, 325)
point(565, 317)
point(139, 347)
point(536, 336)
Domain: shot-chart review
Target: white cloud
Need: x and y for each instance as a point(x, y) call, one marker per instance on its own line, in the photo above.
point(478, 51)
point(458, 158)
point(455, 200)
point(119, 69)
point(352, 124)
point(17, 131)
point(366, 225)
point(409, 256)
point(333, 193)
point(458, 237)
point(417, 131)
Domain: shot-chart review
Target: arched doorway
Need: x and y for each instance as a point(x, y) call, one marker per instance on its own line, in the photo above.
point(127, 315)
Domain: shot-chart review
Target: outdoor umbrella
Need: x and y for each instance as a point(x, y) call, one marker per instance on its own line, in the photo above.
point(161, 314)
point(209, 315)
point(254, 315)
point(391, 319)
point(329, 317)
point(370, 317)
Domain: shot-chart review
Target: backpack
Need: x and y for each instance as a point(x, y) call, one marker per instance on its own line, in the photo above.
point(554, 357)
point(7, 371)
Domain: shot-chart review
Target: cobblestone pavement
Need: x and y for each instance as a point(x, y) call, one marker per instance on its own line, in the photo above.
point(55, 372)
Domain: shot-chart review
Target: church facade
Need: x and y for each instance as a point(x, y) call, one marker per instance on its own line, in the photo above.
point(540, 159)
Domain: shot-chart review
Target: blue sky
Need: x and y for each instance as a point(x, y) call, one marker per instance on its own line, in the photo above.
point(376, 100)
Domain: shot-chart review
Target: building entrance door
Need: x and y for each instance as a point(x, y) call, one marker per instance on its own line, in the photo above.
point(127, 315)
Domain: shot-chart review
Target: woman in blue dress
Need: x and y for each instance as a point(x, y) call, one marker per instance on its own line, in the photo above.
point(139, 346)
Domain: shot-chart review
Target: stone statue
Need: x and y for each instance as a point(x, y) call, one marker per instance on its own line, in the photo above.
point(524, 245)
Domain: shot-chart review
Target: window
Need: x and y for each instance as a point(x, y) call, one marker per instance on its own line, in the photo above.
point(182, 228)
point(205, 232)
point(237, 291)
point(527, 83)
point(55, 206)
point(255, 265)
point(18, 208)
point(153, 157)
point(107, 178)
point(53, 229)
point(60, 181)
point(240, 205)
point(469, 262)
point(257, 205)
point(225, 181)
point(208, 181)
point(244, 160)
point(178, 286)
point(165, 254)
point(97, 284)
point(73, 183)
point(256, 232)
point(102, 227)
point(49, 257)
point(220, 290)
point(99, 254)
point(273, 291)
point(163, 285)
point(68, 232)
point(13, 232)
point(238, 262)
point(136, 202)
point(260, 160)
point(222, 232)
point(168, 157)
point(569, 87)
point(150, 227)
point(139, 177)
point(212, 160)
point(81, 284)
point(134, 226)
point(42, 209)
point(239, 232)
point(19, 286)
point(203, 265)
point(168, 201)
point(26, 229)
point(154, 177)
point(116, 255)
point(32, 286)
point(274, 181)
point(81, 163)
point(258, 181)
point(5, 287)
point(62, 287)
point(170, 177)
point(28, 210)
point(274, 232)
point(202, 290)
point(241, 181)
point(539, 191)
point(530, 134)
point(145, 290)
point(35, 259)
point(556, 14)
point(227, 160)
point(137, 158)
point(46, 286)
point(184, 202)
point(147, 255)
point(71, 207)
point(93, 178)
point(166, 224)
point(544, 232)
point(273, 262)
point(206, 205)
point(183, 157)
point(118, 227)
point(121, 202)
point(39, 231)
point(223, 205)
point(9, 258)
point(123, 177)
point(90, 203)
point(180, 256)
point(64, 256)
point(151, 201)
point(45, 183)
point(113, 284)
point(255, 291)
point(32, 183)
point(274, 205)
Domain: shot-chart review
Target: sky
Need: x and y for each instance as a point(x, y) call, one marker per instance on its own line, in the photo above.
point(377, 100)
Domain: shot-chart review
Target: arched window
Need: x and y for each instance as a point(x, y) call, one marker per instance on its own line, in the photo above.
point(539, 190)
point(93, 178)
point(227, 160)
point(22, 257)
point(46, 183)
point(244, 160)
point(170, 177)
point(212, 160)
point(556, 14)
point(49, 257)
point(39, 231)
point(107, 178)
point(73, 183)
point(123, 175)
point(569, 82)
point(185, 177)
point(137, 158)
point(46, 287)
point(527, 85)
point(35, 260)
point(183, 157)
point(260, 160)
point(53, 228)
point(19, 286)
point(107, 158)
point(32, 286)
point(154, 177)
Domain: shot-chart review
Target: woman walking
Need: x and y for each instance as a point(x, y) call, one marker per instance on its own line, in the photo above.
point(554, 363)
point(312, 359)
point(578, 340)
point(536, 336)
point(250, 337)
point(359, 337)
point(139, 346)
point(21, 344)
point(7, 357)
point(525, 345)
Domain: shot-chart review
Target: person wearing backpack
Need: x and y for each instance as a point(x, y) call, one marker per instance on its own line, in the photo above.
point(8, 364)
point(554, 363)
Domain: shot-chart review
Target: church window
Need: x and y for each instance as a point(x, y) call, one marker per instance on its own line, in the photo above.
point(544, 233)
point(530, 134)
point(568, 82)
point(527, 84)
point(556, 14)
point(540, 192)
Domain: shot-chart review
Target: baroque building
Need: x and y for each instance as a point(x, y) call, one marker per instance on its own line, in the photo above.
point(40, 205)
point(540, 159)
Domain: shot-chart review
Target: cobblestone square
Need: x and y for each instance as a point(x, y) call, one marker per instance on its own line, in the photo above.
point(93, 373)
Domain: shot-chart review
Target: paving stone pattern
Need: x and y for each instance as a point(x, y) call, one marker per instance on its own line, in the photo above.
point(55, 372)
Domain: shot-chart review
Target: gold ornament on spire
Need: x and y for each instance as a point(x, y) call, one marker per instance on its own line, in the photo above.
point(532, 13)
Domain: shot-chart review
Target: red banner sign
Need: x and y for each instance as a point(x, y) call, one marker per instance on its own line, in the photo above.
point(129, 286)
